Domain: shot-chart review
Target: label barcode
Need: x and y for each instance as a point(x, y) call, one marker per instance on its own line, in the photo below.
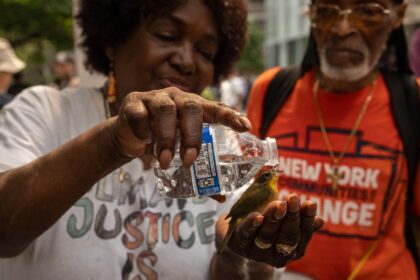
point(202, 167)
point(204, 183)
point(205, 173)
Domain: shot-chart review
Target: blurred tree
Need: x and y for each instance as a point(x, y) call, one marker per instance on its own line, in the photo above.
point(37, 28)
point(252, 60)
point(26, 21)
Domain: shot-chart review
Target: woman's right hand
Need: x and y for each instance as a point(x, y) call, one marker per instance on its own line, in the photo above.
point(152, 118)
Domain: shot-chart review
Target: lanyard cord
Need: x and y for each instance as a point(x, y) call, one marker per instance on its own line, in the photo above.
point(363, 260)
point(375, 244)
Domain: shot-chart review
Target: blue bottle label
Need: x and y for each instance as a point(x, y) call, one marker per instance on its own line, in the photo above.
point(204, 170)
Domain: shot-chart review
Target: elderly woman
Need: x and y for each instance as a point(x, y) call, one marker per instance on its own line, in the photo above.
point(78, 199)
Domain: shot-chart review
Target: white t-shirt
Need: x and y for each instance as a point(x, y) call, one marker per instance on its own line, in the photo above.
point(116, 230)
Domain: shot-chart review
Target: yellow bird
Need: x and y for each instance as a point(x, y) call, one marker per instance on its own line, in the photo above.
point(255, 199)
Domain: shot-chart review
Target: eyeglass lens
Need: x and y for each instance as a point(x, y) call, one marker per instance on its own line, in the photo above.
point(364, 15)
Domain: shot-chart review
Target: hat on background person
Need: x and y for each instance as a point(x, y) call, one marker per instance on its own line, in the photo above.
point(415, 53)
point(64, 57)
point(9, 62)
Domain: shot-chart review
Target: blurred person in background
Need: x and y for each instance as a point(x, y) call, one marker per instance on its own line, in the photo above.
point(233, 91)
point(64, 70)
point(415, 52)
point(9, 64)
point(348, 137)
point(18, 84)
point(78, 197)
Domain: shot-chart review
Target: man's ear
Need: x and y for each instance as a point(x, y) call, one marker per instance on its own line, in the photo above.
point(400, 11)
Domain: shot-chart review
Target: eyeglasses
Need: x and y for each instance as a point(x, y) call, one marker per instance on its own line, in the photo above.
point(366, 15)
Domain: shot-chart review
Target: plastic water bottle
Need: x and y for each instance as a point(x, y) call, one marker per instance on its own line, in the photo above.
point(227, 161)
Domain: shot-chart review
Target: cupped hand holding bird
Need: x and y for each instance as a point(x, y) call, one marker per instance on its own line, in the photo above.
point(275, 235)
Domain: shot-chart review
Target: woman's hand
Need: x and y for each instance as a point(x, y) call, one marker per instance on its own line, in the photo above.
point(278, 236)
point(152, 118)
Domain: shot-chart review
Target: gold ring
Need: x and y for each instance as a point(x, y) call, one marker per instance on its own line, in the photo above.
point(285, 249)
point(262, 244)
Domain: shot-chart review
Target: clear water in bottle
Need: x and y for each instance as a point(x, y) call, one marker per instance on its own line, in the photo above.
point(227, 161)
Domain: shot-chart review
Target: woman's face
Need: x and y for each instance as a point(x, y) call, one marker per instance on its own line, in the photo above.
point(174, 50)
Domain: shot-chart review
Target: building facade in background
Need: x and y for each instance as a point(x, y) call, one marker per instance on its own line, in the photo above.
point(256, 13)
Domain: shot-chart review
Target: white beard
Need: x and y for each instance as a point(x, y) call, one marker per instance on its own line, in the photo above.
point(349, 74)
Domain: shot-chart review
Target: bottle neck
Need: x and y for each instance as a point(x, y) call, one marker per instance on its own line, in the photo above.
point(270, 151)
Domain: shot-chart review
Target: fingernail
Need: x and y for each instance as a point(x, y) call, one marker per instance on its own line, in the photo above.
point(165, 158)
point(219, 198)
point(257, 221)
point(293, 203)
point(245, 122)
point(312, 209)
point(318, 224)
point(189, 157)
point(281, 210)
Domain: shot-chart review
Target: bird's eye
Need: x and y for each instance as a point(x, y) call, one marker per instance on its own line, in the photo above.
point(267, 175)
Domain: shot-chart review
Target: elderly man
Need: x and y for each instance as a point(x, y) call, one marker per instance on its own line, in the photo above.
point(346, 141)
point(9, 64)
point(64, 70)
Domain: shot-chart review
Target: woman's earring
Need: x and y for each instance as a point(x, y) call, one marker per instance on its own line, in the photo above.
point(112, 90)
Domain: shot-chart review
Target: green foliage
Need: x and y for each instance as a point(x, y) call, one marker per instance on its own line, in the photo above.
point(252, 60)
point(27, 21)
point(37, 28)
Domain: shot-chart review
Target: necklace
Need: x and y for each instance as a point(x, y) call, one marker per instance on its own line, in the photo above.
point(335, 175)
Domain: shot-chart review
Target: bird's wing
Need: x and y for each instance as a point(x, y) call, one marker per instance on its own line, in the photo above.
point(250, 200)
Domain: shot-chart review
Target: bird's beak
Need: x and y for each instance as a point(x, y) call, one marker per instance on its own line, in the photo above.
point(276, 174)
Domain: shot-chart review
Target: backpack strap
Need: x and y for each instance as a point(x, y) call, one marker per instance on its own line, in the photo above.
point(405, 103)
point(281, 86)
point(404, 94)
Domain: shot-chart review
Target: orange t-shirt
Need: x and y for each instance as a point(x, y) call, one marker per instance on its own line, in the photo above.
point(369, 202)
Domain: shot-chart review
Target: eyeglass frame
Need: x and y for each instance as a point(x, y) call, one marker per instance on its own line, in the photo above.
point(347, 12)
